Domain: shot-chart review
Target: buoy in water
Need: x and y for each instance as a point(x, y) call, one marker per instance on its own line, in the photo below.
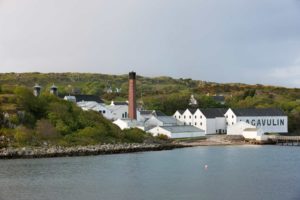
point(205, 166)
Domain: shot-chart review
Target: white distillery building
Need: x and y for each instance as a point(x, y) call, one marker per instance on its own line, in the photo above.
point(114, 111)
point(177, 131)
point(129, 123)
point(211, 120)
point(270, 120)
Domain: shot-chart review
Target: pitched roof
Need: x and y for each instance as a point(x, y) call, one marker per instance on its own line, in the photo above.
point(192, 110)
point(82, 97)
point(213, 112)
point(116, 103)
point(167, 119)
point(181, 111)
point(181, 129)
point(258, 112)
point(152, 112)
point(146, 112)
point(159, 113)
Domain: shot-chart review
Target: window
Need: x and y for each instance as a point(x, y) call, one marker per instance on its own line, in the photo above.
point(123, 116)
point(232, 123)
point(216, 131)
point(175, 116)
point(179, 117)
point(195, 123)
point(201, 123)
point(201, 117)
point(232, 116)
point(226, 116)
point(190, 123)
point(195, 116)
point(183, 123)
point(103, 111)
point(190, 117)
point(100, 111)
point(184, 116)
point(226, 123)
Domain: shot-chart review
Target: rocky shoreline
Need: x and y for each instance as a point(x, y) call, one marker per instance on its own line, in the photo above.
point(59, 151)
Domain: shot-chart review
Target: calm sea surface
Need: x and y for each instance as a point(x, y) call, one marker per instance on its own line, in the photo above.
point(233, 172)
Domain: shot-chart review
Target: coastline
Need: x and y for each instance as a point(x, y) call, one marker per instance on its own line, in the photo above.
point(60, 151)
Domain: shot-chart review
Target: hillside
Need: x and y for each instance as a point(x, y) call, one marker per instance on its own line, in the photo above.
point(161, 93)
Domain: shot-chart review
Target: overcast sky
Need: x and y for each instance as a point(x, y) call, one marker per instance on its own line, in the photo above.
point(249, 41)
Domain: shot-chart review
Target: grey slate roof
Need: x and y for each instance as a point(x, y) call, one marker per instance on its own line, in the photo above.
point(192, 110)
point(159, 113)
point(182, 129)
point(152, 112)
point(120, 103)
point(258, 112)
point(181, 111)
point(213, 112)
point(167, 119)
point(80, 98)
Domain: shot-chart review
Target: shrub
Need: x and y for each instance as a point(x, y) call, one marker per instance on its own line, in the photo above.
point(134, 135)
point(45, 130)
point(24, 136)
point(162, 137)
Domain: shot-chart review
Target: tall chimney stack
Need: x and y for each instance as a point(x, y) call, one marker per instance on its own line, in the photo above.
point(131, 96)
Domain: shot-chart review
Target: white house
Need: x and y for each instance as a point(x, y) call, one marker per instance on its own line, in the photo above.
point(92, 105)
point(179, 115)
point(117, 110)
point(211, 120)
point(129, 123)
point(177, 131)
point(270, 120)
point(70, 98)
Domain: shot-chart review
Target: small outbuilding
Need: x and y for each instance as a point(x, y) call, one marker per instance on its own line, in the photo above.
point(128, 123)
point(177, 131)
point(238, 128)
point(254, 133)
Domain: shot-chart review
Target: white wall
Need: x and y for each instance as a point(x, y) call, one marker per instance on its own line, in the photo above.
point(230, 118)
point(269, 124)
point(238, 128)
point(153, 121)
point(158, 130)
point(188, 117)
point(252, 134)
point(220, 124)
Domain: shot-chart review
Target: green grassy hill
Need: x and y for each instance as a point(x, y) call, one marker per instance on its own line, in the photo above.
point(161, 93)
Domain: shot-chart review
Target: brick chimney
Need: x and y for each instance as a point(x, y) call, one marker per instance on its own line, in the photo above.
point(131, 96)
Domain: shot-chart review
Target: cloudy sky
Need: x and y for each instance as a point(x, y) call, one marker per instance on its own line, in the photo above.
point(249, 41)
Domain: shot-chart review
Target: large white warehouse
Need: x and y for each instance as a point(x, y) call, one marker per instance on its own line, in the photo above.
point(270, 120)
